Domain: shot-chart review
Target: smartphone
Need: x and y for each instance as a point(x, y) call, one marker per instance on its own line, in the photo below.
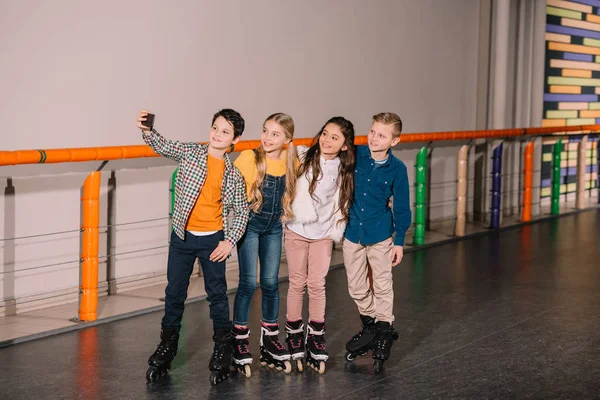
point(149, 122)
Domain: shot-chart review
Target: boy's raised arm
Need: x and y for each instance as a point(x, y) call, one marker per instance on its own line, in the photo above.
point(175, 150)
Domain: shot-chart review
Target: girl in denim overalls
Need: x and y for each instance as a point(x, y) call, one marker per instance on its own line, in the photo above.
point(270, 175)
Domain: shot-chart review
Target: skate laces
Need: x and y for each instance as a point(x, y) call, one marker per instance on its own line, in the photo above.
point(385, 340)
point(295, 340)
point(162, 350)
point(163, 347)
point(243, 346)
point(317, 337)
point(277, 343)
point(318, 341)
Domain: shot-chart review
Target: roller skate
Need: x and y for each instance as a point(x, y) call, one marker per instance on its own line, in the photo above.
point(362, 342)
point(316, 355)
point(160, 360)
point(241, 352)
point(382, 346)
point(295, 341)
point(272, 352)
point(221, 359)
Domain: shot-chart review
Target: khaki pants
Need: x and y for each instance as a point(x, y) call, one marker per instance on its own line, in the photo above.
point(377, 303)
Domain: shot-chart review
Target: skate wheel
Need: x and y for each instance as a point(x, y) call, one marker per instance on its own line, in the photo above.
point(299, 365)
point(321, 367)
point(154, 373)
point(350, 356)
point(247, 371)
point(287, 367)
point(217, 377)
point(377, 366)
point(271, 366)
point(151, 374)
point(263, 363)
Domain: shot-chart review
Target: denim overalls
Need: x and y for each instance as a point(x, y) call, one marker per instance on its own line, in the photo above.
point(262, 240)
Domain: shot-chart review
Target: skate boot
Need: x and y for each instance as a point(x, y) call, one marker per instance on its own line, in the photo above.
point(382, 346)
point(272, 352)
point(221, 358)
point(295, 341)
point(316, 355)
point(160, 360)
point(241, 353)
point(362, 342)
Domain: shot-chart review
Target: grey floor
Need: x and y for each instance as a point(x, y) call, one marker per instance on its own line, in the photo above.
point(514, 314)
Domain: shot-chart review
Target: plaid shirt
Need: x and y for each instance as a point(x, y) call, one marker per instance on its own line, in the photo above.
point(192, 158)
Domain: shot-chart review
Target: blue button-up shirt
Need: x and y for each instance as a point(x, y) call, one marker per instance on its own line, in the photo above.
point(371, 219)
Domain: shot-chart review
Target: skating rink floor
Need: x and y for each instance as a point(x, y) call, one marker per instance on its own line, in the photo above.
point(509, 315)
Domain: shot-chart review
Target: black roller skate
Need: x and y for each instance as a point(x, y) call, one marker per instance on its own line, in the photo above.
point(382, 346)
point(316, 355)
point(221, 358)
point(295, 342)
point(241, 352)
point(362, 342)
point(160, 360)
point(272, 352)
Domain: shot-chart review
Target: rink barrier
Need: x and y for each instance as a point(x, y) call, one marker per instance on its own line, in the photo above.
point(556, 178)
point(581, 167)
point(88, 288)
point(420, 197)
point(527, 181)
point(461, 190)
point(496, 186)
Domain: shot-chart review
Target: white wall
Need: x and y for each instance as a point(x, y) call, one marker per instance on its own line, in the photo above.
point(74, 74)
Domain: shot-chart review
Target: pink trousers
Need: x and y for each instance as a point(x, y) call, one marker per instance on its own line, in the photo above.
point(308, 263)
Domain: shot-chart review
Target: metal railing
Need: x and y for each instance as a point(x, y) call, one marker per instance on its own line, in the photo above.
point(90, 199)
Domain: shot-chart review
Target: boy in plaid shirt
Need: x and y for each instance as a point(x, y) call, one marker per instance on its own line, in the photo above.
point(209, 187)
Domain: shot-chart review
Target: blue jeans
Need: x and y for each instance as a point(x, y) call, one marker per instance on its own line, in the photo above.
point(182, 255)
point(262, 240)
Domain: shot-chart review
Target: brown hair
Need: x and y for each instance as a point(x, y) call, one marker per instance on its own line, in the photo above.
point(287, 123)
point(389, 118)
point(346, 169)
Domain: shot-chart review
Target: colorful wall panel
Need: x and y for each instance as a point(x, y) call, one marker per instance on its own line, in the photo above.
point(572, 85)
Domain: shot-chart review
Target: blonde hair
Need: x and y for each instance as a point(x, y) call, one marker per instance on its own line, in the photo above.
point(389, 118)
point(287, 123)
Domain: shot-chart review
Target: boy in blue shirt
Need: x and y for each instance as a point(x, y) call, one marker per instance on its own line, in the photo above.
point(372, 224)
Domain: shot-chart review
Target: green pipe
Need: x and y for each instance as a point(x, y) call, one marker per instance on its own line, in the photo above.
point(556, 178)
point(420, 196)
point(172, 190)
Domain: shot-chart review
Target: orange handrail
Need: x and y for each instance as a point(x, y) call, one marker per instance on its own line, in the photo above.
point(83, 154)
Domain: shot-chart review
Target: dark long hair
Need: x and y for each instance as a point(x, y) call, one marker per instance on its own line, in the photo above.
point(346, 169)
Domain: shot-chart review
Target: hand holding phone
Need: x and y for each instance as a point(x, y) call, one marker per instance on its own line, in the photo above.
point(145, 121)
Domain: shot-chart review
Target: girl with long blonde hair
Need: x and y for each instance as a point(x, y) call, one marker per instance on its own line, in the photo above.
point(270, 175)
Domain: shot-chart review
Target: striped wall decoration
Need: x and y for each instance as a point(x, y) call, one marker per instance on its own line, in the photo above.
point(572, 85)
